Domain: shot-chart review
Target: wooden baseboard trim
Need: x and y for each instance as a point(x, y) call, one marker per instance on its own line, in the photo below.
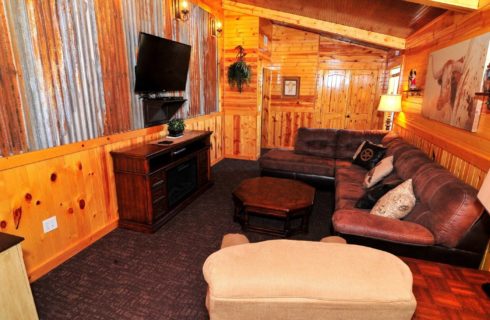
point(229, 156)
point(69, 252)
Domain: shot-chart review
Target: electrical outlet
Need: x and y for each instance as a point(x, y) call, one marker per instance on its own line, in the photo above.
point(50, 224)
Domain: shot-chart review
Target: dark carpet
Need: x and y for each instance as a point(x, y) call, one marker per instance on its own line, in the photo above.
point(130, 275)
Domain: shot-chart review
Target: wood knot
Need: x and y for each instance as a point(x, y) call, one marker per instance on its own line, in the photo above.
point(70, 210)
point(38, 202)
point(3, 224)
point(80, 167)
point(28, 197)
point(53, 177)
point(81, 203)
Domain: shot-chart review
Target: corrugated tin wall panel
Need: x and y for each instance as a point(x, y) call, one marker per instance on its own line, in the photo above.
point(67, 68)
point(140, 16)
point(13, 137)
point(61, 70)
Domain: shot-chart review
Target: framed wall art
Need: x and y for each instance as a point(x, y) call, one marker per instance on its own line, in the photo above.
point(290, 87)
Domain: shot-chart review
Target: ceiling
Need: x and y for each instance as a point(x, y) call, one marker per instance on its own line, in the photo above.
point(392, 17)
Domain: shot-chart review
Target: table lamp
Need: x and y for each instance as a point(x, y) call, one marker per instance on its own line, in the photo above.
point(484, 197)
point(390, 103)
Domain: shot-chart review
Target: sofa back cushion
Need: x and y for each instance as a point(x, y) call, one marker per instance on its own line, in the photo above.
point(451, 206)
point(349, 140)
point(316, 142)
point(408, 161)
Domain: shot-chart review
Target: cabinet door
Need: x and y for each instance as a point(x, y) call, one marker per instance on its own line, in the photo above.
point(203, 167)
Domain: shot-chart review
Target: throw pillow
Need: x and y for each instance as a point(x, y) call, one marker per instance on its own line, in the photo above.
point(373, 194)
point(376, 174)
point(369, 155)
point(397, 203)
point(358, 150)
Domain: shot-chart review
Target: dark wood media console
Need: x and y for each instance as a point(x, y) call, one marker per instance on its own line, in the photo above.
point(156, 180)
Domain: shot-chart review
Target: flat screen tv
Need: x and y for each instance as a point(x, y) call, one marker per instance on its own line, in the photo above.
point(162, 65)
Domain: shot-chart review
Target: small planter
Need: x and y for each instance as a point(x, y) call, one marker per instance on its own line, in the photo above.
point(176, 128)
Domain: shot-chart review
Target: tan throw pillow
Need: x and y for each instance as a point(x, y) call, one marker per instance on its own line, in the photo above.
point(397, 203)
point(376, 174)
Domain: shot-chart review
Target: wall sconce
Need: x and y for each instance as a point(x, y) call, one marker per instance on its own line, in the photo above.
point(218, 28)
point(181, 8)
point(215, 27)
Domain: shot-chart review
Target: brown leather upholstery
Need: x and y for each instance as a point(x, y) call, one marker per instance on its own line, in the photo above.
point(287, 160)
point(361, 222)
point(316, 142)
point(447, 213)
point(349, 140)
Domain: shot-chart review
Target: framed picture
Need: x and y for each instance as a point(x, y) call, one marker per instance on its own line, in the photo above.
point(290, 87)
point(454, 74)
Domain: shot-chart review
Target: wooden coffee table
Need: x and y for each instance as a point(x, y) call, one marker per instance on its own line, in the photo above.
point(274, 198)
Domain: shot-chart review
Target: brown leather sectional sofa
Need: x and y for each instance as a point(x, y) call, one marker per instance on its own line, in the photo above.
point(446, 225)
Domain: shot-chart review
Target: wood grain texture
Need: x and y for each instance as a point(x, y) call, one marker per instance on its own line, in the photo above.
point(75, 184)
point(316, 24)
point(447, 30)
point(241, 110)
point(447, 292)
point(339, 88)
point(391, 17)
point(16, 301)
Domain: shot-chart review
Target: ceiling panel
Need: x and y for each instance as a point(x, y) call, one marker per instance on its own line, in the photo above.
point(393, 17)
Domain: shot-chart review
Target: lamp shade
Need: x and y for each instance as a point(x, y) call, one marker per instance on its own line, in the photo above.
point(390, 103)
point(484, 194)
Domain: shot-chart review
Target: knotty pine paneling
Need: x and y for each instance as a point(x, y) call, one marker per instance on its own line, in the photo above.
point(241, 110)
point(75, 183)
point(311, 56)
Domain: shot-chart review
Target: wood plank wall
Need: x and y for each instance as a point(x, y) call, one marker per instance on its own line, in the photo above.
point(465, 154)
point(67, 68)
point(465, 148)
point(75, 183)
point(241, 109)
point(307, 55)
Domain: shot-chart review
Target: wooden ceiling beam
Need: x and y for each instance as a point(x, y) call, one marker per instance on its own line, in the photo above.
point(320, 25)
point(453, 5)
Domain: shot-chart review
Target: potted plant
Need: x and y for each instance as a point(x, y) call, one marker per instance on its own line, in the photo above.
point(176, 127)
point(239, 72)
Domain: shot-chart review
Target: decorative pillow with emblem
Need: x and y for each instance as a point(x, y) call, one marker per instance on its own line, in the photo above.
point(379, 172)
point(369, 155)
point(397, 203)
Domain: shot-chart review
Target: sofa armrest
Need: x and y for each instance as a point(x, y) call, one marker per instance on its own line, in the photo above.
point(362, 223)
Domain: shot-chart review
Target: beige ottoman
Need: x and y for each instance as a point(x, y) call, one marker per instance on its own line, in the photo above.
point(289, 280)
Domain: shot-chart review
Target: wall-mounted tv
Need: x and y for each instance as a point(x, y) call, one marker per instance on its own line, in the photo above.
point(162, 65)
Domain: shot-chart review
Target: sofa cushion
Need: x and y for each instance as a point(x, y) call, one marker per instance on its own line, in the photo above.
point(292, 279)
point(287, 160)
point(451, 205)
point(348, 141)
point(316, 142)
point(408, 162)
point(397, 203)
point(360, 223)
